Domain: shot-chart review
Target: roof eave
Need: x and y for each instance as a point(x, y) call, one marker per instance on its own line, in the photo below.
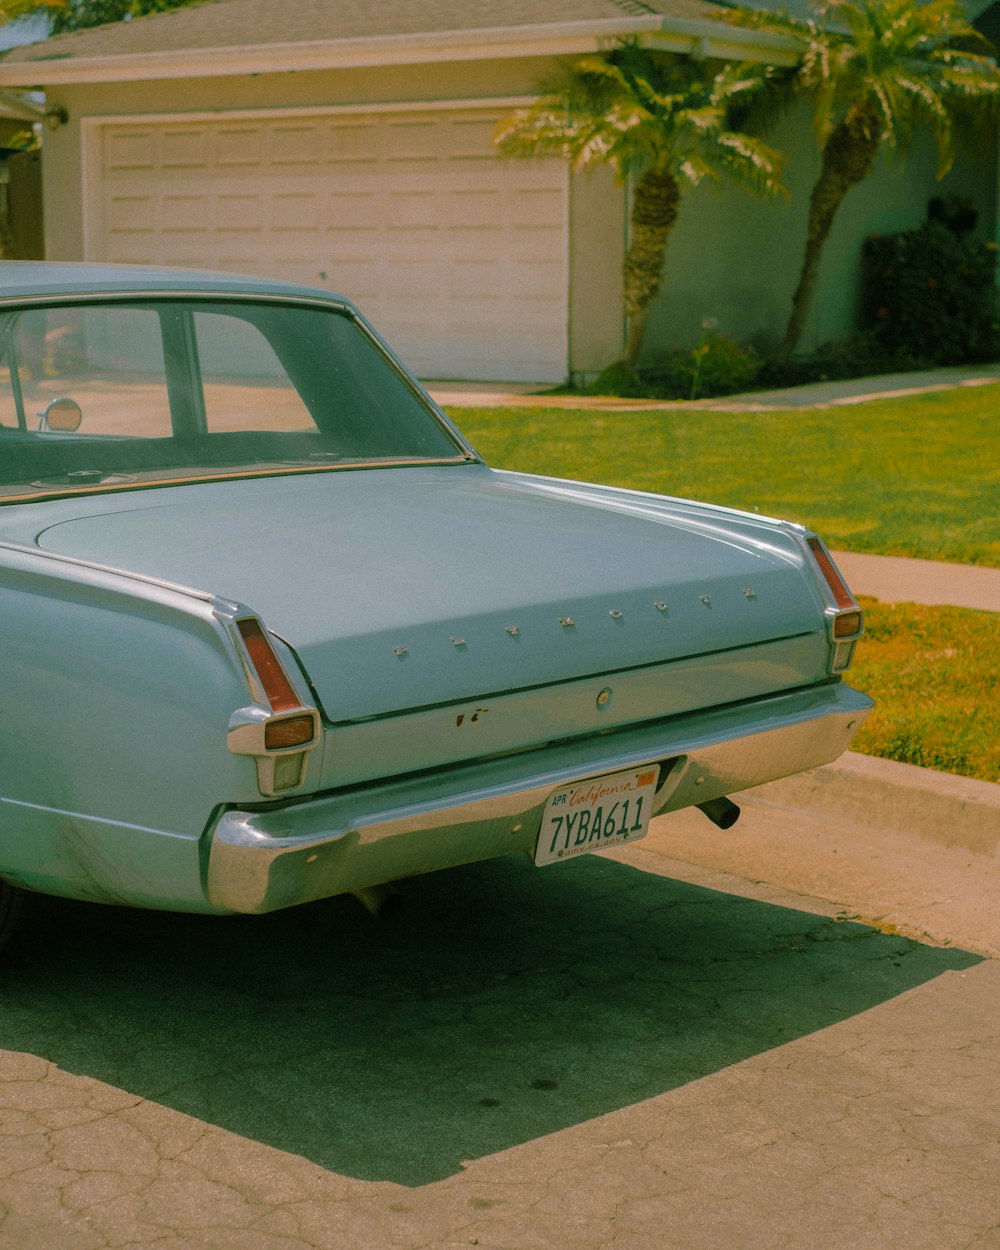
point(707, 39)
point(20, 108)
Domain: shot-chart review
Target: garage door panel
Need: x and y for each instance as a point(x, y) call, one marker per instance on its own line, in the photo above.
point(237, 212)
point(416, 282)
point(352, 144)
point(185, 149)
point(470, 139)
point(239, 147)
point(459, 257)
point(236, 262)
point(535, 208)
point(131, 150)
point(300, 146)
point(350, 210)
point(412, 210)
point(294, 210)
point(468, 274)
point(187, 213)
point(475, 208)
point(358, 273)
point(411, 141)
point(133, 214)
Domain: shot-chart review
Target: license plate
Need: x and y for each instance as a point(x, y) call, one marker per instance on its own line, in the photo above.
point(592, 815)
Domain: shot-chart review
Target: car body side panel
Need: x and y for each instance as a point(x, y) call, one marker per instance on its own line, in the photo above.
point(55, 851)
point(113, 751)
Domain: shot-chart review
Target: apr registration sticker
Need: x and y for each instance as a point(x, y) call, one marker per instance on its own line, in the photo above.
point(592, 815)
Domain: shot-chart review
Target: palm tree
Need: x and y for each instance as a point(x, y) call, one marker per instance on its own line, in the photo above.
point(877, 68)
point(658, 119)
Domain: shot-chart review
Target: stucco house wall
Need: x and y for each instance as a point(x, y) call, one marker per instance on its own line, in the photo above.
point(736, 260)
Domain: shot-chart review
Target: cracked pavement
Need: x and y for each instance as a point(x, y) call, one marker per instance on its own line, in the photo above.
point(693, 1044)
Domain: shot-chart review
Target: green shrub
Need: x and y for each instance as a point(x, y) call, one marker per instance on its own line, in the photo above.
point(719, 365)
point(930, 293)
point(618, 379)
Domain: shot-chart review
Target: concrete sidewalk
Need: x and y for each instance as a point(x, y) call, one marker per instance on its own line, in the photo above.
point(814, 395)
point(892, 579)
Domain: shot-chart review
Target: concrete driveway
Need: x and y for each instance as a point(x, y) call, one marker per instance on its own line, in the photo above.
point(651, 1052)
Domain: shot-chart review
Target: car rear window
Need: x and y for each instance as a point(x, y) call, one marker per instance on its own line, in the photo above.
point(104, 394)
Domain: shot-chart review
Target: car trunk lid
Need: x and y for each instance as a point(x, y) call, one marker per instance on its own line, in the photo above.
point(406, 589)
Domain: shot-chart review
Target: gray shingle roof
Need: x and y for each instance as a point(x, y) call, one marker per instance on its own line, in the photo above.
point(259, 23)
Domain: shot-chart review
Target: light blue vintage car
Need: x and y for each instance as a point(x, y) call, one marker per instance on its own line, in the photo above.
point(271, 631)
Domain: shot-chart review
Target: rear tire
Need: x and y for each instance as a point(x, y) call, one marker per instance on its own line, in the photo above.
point(12, 903)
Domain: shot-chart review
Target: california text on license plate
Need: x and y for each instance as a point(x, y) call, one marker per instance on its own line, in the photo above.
point(591, 815)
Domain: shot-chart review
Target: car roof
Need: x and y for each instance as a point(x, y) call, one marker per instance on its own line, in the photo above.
point(25, 278)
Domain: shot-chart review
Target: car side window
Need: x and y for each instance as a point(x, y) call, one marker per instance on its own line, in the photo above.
point(107, 361)
point(245, 385)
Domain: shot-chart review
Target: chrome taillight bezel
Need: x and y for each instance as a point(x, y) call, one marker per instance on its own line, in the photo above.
point(841, 608)
point(280, 770)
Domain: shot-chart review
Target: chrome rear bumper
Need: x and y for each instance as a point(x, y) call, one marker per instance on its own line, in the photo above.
point(262, 861)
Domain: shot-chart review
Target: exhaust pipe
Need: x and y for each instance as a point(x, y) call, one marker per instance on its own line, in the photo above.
point(382, 901)
point(722, 812)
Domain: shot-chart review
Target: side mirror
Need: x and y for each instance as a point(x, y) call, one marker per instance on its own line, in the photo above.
point(63, 415)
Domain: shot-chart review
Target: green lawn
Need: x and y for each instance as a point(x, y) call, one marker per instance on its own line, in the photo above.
point(918, 476)
point(934, 675)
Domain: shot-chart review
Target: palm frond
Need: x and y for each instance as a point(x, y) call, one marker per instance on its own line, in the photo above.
point(908, 61)
point(635, 109)
point(705, 121)
point(694, 169)
point(775, 21)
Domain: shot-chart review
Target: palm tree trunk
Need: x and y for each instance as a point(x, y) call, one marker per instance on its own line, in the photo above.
point(848, 157)
point(655, 203)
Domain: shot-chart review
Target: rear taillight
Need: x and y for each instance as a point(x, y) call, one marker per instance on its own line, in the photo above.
point(848, 624)
point(293, 731)
point(279, 730)
point(267, 666)
point(841, 595)
point(847, 621)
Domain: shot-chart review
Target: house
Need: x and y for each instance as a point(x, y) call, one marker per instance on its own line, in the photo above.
point(348, 146)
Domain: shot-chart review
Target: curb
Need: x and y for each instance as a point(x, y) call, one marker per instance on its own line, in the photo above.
point(884, 796)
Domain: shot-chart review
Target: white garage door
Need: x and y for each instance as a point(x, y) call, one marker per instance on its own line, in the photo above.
point(458, 256)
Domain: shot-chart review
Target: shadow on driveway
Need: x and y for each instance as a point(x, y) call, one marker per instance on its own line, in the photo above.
point(501, 1004)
